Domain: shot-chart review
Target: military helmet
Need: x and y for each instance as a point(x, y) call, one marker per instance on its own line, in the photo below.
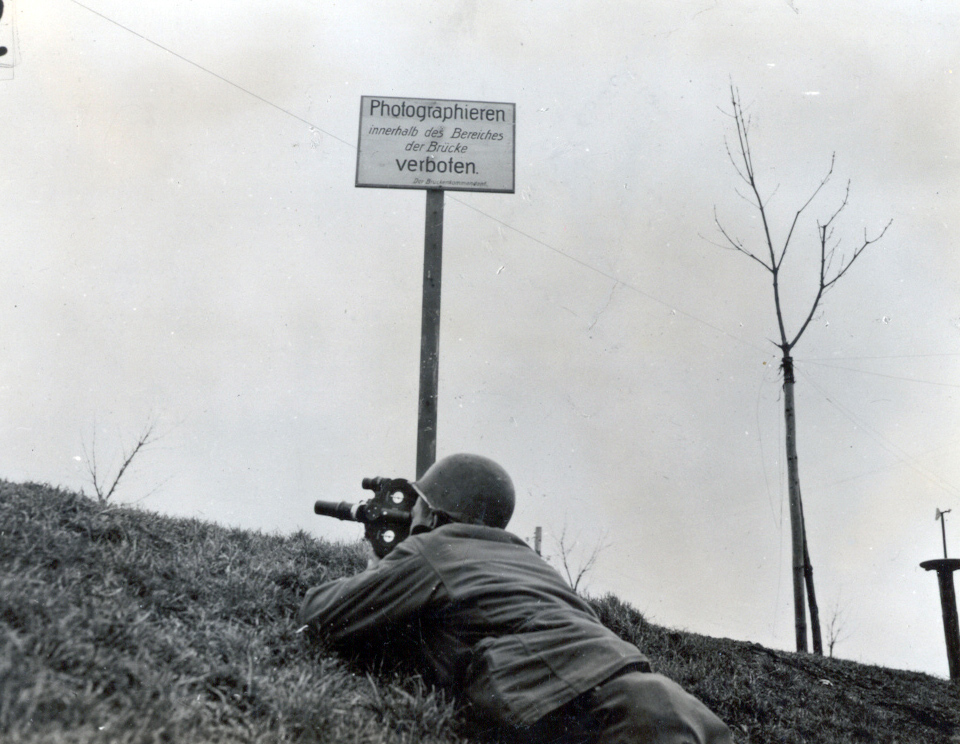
point(470, 489)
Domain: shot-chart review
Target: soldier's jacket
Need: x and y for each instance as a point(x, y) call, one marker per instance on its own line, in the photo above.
point(497, 623)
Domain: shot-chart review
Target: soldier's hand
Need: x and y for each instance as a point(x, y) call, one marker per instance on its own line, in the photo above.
point(372, 560)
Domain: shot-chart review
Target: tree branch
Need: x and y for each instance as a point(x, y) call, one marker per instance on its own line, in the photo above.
point(774, 268)
point(90, 460)
point(736, 244)
point(796, 217)
point(733, 162)
point(147, 437)
point(857, 252)
point(744, 167)
point(566, 557)
point(825, 232)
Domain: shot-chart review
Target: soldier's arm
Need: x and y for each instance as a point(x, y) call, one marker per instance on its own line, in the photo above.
point(394, 591)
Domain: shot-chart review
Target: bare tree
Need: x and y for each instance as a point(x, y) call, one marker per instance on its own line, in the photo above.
point(836, 626)
point(834, 264)
point(574, 567)
point(104, 485)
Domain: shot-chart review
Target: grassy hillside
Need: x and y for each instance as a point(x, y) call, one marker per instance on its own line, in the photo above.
point(118, 625)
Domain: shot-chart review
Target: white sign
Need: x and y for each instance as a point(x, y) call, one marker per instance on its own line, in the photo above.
point(416, 143)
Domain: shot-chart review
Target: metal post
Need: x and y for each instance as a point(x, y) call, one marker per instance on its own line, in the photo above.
point(948, 603)
point(941, 515)
point(430, 332)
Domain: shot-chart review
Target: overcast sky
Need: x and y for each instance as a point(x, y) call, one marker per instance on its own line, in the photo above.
point(183, 242)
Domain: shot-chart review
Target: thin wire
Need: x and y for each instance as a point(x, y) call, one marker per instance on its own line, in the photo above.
point(866, 474)
point(613, 278)
point(214, 74)
point(763, 458)
point(781, 481)
point(893, 449)
point(528, 236)
point(881, 374)
point(857, 358)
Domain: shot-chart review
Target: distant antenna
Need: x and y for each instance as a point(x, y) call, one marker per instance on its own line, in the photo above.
point(943, 528)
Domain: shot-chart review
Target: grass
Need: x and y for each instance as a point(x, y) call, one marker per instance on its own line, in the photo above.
point(120, 625)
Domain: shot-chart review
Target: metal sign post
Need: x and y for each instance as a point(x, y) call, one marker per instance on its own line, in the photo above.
point(430, 332)
point(434, 145)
